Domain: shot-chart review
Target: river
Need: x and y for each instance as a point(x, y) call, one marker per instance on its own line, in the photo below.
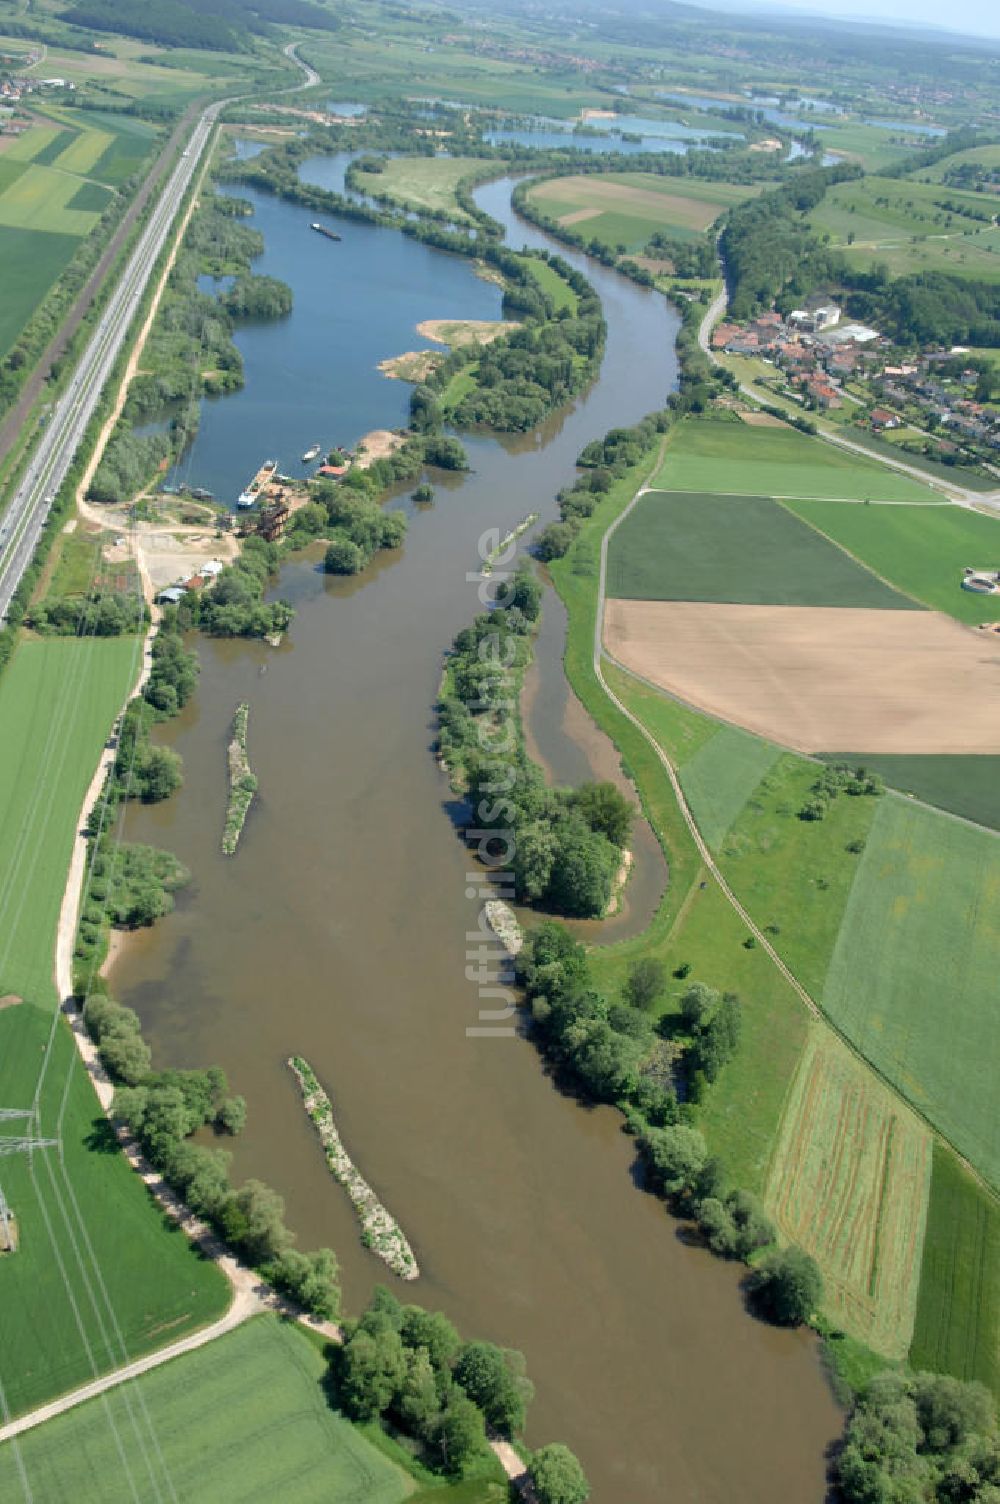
point(339, 930)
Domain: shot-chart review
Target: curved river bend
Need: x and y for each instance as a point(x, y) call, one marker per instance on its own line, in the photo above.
point(339, 930)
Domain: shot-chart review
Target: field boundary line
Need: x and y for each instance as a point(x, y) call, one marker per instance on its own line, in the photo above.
point(809, 1002)
point(854, 558)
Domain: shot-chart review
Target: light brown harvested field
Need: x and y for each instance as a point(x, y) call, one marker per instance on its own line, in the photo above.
point(578, 216)
point(762, 420)
point(819, 678)
point(849, 1182)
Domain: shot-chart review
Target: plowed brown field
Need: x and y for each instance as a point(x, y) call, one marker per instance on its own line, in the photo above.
point(819, 678)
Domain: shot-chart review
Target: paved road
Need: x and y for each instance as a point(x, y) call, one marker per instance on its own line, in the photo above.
point(24, 519)
point(22, 523)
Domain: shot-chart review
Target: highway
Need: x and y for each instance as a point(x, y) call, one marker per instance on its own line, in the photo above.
point(25, 517)
point(21, 524)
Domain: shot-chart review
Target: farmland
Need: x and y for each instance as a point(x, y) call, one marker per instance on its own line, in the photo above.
point(96, 1276)
point(244, 1417)
point(921, 550)
point(744, 549)
point(966, 786)
point(911, 226)
point(912, 981)
point(55, 181)
point(714, 454)
point(985, 157)
point(626, 208)
point(848, 1182)
point(958, 1311)
point(814, 677)
point(721, 777)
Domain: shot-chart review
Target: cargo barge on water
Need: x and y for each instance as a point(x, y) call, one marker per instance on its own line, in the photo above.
point(322, 230)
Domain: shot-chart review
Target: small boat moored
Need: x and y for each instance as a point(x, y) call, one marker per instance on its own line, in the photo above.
point(310, 453)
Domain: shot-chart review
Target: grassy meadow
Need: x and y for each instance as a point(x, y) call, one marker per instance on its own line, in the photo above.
point(721, 455)
point(911, 226)
point(921, 550)
point(678, 545)
point(426, 183)
point(626, 208)
point(721, 777)
point(912, 980)
point(97, 1277)
point(245, 1417)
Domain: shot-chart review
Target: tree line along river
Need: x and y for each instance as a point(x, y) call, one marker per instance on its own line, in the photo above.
point(339, 932)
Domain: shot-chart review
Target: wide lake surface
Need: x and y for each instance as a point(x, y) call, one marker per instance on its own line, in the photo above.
point(339, 930)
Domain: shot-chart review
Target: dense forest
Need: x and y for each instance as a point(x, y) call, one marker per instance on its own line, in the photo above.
point(214, 25)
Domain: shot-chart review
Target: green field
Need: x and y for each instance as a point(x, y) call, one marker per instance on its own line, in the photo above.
point(55, 183)
point(966, 786)
point(721, 776)
point(909, 226)
point(986, 156)
point(97, 1277)
point(426, 182)
point(31, 260)
point(795, 876)
point(714, 454)
point(913, 977)
point(958, 1310)
point(922, 550)
point(745, 549)
point(245, 1417)
point(557, 287)
point(873, 147)
point(626, 208)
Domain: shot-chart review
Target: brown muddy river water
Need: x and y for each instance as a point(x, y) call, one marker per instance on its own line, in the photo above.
point(339, 932)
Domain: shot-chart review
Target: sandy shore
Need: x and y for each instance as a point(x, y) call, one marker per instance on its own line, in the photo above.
point(378, 445)
point(459, 332)
point(412, 365)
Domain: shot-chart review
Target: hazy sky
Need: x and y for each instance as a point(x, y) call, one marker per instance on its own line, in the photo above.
point(981, 17)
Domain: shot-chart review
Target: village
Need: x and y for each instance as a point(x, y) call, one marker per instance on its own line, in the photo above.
point(938, 402)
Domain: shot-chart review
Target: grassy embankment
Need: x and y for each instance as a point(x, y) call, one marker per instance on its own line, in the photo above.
point(777, 865)
point(246, 1416)
point(98, 1277)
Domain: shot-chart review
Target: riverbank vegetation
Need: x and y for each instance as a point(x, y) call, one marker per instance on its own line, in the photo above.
point(565, 845)
point(409, 1369)
point(380, 1230)
point(925, 1437)
point(242, 783)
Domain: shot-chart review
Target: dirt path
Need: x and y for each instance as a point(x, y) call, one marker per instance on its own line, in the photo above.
point(708, 861)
